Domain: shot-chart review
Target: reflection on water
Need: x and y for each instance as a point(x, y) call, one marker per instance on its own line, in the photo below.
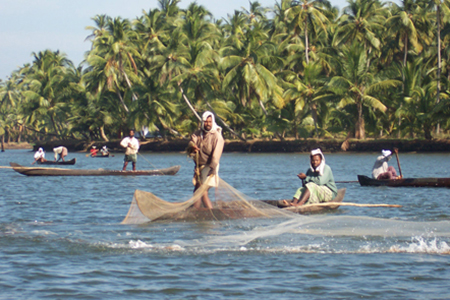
point(68, 227)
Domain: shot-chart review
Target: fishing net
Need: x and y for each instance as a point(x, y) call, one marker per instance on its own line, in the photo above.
point(228, 203)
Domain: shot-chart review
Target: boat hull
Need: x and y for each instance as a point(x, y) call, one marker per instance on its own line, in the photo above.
point(405, 182)
point(226, 213)
point(100, 172)
point(310, 209)
point(50, 162)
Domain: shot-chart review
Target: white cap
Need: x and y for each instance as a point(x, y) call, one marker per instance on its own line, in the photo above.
point(386, 153)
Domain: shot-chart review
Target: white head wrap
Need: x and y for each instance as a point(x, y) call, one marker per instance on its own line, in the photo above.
point(40, 150)
point(322, 163)
point(214, 126)
point(386, 153)
point(104, 147)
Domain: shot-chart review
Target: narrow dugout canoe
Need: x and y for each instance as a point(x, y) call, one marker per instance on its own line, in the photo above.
point(100, 172)
point(227, 212)
point(409, 182)
point(51, 162)
point(308, 209)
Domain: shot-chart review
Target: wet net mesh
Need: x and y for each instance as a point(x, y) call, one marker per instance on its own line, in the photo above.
point(228, 203)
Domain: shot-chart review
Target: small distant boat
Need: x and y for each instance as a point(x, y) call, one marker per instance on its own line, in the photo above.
point(32, 171)
point(411, 182)
point(100, 156)
point(51, 162)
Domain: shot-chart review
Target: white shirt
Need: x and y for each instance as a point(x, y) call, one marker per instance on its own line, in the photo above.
point(380, 166)
point(134, 147)
point(39, 154)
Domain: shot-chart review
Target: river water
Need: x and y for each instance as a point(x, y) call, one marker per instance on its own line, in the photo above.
point(61, 237)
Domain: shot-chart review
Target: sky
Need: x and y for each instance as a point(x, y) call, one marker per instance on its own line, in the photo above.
point(28, 26)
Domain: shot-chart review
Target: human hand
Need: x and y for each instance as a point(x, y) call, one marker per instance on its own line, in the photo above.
point(301, 176)
point(396, 150)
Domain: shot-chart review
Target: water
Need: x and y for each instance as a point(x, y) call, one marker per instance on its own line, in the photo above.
point(60, 237)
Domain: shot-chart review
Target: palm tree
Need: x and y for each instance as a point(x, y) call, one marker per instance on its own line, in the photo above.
point(308, 16)
point(113, 58)
point(361, 22)
point(46, 87)
point(247, 60)
point(357, 86)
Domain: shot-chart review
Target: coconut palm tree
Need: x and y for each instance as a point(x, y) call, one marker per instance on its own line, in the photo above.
point(308, 17)
point(357, 87)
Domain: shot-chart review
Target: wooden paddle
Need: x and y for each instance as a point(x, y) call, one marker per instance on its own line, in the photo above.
point(398, 162)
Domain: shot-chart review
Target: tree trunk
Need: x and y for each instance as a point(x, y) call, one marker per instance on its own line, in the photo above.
point(103, 135)
point(3, 143)
point(438, 20)
point(306, 41)
point(314, 115)
point(360, 131)
point(121, 100)
point(188, 102)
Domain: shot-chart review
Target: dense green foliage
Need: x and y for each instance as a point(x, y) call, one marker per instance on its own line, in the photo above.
point(299, 69)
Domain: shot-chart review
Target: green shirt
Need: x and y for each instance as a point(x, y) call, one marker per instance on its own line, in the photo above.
point(326, 179)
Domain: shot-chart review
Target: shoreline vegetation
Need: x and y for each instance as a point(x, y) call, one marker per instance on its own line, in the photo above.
point(255, 146)
point(293, 71)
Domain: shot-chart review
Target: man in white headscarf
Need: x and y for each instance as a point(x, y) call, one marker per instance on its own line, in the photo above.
point(318, 182)
point(207, 146)
point(381, 169)
point(39, 156)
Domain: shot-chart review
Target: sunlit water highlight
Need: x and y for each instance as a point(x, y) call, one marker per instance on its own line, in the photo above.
point(60, 237)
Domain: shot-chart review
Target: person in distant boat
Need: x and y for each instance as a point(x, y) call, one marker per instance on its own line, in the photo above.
point(104, 151)
point(39, 156)
point(381, 169)
point(206, 146)
point(318, 182)
point(60, 153)
point(132, 146)
point(94, 151)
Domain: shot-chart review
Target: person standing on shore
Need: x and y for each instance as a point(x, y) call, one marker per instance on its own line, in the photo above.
point(381, 170)
point(132, 146)
point(207, 146)
point(60, 153)
point(39, 156)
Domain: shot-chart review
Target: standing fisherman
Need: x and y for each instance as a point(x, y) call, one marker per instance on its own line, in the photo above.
point(132, 146)
point(207, 146)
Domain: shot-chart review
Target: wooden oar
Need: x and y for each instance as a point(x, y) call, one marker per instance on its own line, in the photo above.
point(398, 162)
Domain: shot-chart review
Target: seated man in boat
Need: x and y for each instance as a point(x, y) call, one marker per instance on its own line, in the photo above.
point(94, 151)
point(318, 182)
point(104, 151)
point(60, 153)
point(132, 146)
point(206, 146)
point(381, 170)
point(39, 156)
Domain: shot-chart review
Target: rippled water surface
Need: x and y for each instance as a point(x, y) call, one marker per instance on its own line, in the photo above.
point(61, 237)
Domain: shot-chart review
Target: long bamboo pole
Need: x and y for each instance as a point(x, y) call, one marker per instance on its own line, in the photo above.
point(343, 204)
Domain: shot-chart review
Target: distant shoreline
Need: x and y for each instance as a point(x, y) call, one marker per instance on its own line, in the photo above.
point(254, 146)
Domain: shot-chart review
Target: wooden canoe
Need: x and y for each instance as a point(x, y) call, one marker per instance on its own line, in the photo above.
point(80, 172)
point(309, 209)
point(227, 212)
point(51, 162)
point(409, 182)
point(100, 156)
